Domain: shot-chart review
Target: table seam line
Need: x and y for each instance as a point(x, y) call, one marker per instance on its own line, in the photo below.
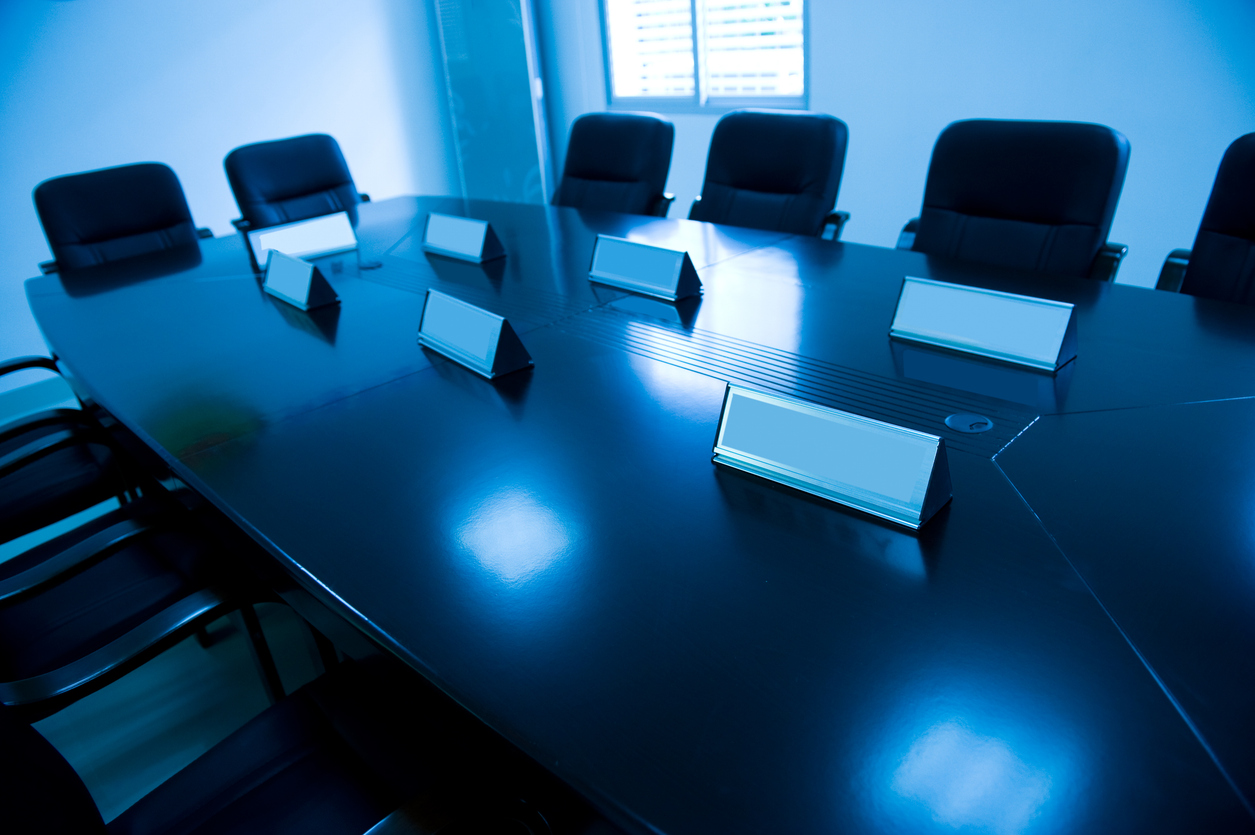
point(1163, 686)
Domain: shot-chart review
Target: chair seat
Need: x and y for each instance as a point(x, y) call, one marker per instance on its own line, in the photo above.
point(337, 756)
point(57, 485)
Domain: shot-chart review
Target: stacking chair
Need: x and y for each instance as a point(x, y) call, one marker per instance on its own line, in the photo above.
point(1222, 263)
point(1026, 195)
point(55, 463)
point(774, 171)
point(289, 180)
point(84, 608)
point(618, 162)
point(114, 213)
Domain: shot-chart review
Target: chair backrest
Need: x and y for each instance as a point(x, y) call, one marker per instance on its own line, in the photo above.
point(774, 171)
point(1026, 195)
point(616, 162)
point(291, 179)
point(1222, 263)
point(113, 213)
point(39, 791)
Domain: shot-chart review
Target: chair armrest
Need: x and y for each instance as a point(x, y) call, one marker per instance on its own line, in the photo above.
point(163, 629)
point(48, 267)
point(76, 416)
point(693, 208)
point(204, 232)
point(364, 197)
point(834, 222)
point(241, 225)
point(906, 239)
point(133, 520)
point(22, 363)
point(48, 444)
point(1107, 261)
point(662, 205)
point(1173, 271)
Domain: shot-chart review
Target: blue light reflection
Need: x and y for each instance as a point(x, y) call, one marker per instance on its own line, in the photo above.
point(966, 752)
point(966, 779)
point(514, 535)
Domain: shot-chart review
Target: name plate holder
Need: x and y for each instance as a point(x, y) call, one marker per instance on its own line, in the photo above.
point(297, 282)
point(1023, 330)
point(471, 336)
point(463, 238)
point(885, 470)
point(312, 238)
point(666, 274)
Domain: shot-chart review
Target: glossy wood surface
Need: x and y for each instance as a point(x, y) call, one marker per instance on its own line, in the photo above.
point(693, 648)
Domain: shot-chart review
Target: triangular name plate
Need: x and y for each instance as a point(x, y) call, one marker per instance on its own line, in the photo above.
point(640, 268)
point(471, 336)
point(297, 282)
point(1024, 330)
point(463, 238)
point(879, 468)
point(312, 238)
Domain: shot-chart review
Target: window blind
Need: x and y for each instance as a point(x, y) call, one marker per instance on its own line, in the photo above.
point(651, 47)
point(752, 48)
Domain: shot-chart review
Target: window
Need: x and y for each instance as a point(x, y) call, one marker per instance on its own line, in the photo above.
point(673, 54)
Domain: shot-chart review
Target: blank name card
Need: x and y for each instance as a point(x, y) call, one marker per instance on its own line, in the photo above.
point(311, 238)
point(463, 238)
point(471, 336)
point(879, 468)
point(1038, 333)
point(297, 282)
point(650, 270)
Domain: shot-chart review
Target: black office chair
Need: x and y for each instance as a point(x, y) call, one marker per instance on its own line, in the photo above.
point(100, 216)
point(618, 162)
point(336, 756)
point(84, 608)
point(1222, 263)
point(55, 463)
point(289, 180)
point(1026, 195)
point(774, 171)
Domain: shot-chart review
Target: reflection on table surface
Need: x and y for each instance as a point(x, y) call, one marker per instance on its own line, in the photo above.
point(698, 649)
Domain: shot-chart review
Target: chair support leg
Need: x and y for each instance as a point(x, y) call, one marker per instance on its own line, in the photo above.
point(261, 654)
point(326, 650)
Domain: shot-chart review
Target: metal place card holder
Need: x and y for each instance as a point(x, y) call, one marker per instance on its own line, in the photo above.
point(1037, 333)
point(471, 336)
point(879, 468)
point(649, 270)
point(463, 238)
point(313, 238)
point(297, 282)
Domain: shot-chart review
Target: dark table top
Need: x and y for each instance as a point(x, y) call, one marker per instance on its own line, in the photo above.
point(1067, 646)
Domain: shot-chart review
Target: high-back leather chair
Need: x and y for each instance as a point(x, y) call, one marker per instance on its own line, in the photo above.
point(1026, 195)
point(291, 179)
point(114, 213)
point(773, 171)
point(617, 162)
point(1222, 263)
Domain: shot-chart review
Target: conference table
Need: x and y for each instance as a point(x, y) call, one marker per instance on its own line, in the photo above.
point(1067, 646)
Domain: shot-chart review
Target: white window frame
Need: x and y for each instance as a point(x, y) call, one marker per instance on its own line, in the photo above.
point(699, 102)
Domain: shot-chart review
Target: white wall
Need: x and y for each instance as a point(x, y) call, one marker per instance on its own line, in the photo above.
point(1177, 78)
point(94, 83)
